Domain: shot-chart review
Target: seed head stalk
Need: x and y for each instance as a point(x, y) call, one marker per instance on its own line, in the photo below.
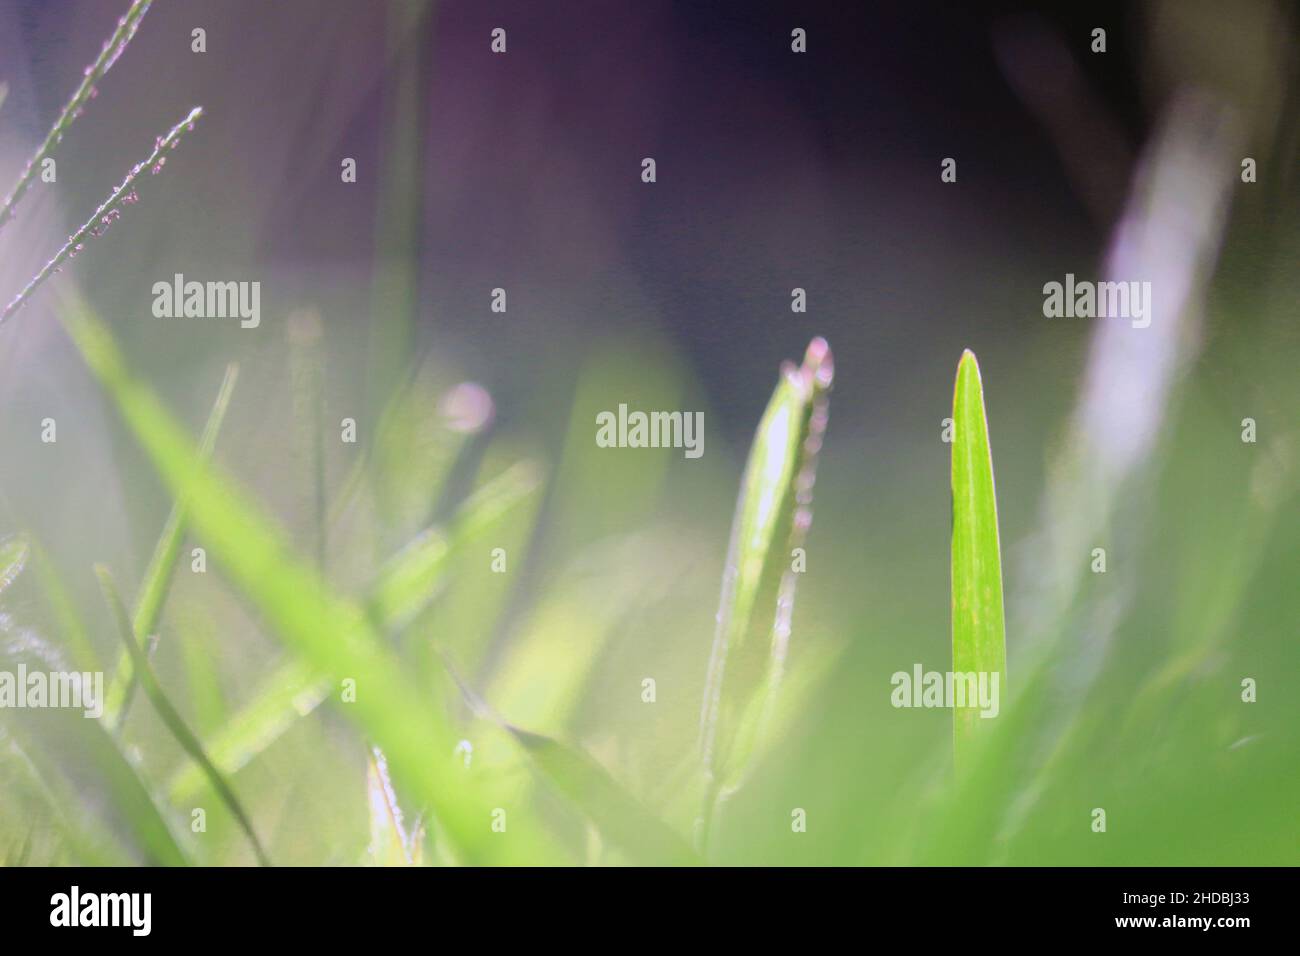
point(113, 47)
point(108, 211)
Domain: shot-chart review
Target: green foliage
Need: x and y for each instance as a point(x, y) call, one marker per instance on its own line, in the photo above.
point(773, 513)
point(162, 568)
point(170, 715)
point(978, 630)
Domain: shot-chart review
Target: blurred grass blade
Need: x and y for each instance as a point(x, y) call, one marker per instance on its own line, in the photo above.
point(162, 568)
point(330, 632)
point(293, 690)
point(978, 631)
point(772, 516)
point(410, 579)
point(390, 844)
point(80, 765)
point(59, 600)
point(622, 819)
point(170, 715)
point(13, 558)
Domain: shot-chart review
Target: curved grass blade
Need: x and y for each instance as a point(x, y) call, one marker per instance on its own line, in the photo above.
point(171, 716)
point(978, 629)
point(113, 47)
point(620, 817)
point(162, 568)
point(772, 517)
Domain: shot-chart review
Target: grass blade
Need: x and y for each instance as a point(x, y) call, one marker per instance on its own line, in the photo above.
point(170, 715)
point(620, 817)
point(390, 844)
point(772, 516)
point(162, 568)
point(978, 630)
point(293, 690)
point(409, 580)
point(113, 47)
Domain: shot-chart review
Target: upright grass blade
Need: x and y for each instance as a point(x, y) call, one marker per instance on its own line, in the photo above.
point(395, 290)
point(113, 47)
point(330, 632)
point(108, 212)
point(978, 631)
point(772, 517)
point(170, 715)
point(162, 568)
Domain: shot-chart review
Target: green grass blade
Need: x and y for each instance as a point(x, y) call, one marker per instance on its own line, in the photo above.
point(621, 819)
point(978, 630)
point(772, 516)
point(407, 583)
point(65, 616)
point(293, 691)
point(162, 568)
point(330, 632)
point(170, 715)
